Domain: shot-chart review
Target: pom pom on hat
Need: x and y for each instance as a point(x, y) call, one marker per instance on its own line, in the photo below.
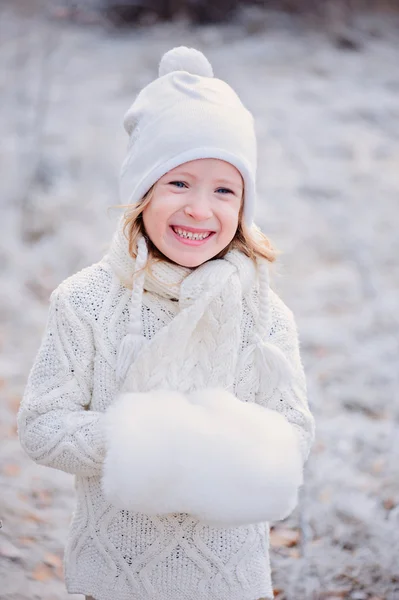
point(185, 59)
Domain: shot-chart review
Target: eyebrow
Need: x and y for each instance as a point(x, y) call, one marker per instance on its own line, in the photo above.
point(180, 174)
point(219, 181)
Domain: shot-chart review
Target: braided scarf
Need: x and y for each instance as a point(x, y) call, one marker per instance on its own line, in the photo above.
point(201, 346)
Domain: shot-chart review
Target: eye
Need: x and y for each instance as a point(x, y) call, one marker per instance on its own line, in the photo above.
point(223, 190)
point(179, 184)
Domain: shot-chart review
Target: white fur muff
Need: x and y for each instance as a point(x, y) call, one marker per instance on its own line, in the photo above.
point(224, 461)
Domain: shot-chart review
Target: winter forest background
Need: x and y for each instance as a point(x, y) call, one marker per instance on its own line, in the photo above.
point(322, 79)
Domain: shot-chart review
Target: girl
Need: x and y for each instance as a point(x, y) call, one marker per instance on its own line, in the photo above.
point(169, 380)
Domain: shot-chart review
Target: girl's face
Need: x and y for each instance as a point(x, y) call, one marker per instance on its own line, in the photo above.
point(193, 213)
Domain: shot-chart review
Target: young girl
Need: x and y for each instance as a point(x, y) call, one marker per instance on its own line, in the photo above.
point(169, 380)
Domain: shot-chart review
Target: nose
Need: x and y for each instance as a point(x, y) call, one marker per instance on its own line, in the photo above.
point(199, 208)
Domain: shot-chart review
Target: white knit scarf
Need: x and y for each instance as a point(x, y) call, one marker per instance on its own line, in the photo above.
point(201, 346)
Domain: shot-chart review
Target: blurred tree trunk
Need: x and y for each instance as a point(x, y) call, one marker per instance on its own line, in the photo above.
point(200, 11)
point(212, 11)
point(122, 12)
point(335, 14)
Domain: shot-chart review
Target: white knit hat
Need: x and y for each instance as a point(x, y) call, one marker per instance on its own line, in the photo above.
point(184, 115)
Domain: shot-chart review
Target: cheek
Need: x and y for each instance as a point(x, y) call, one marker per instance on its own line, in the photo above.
point(157, 215)
point(154, 216)
point(228, 217)
point(151, 224)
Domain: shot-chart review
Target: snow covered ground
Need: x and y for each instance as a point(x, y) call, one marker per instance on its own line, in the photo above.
point(328, 127)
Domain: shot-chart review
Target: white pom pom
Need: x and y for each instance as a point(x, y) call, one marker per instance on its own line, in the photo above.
point(185, 59)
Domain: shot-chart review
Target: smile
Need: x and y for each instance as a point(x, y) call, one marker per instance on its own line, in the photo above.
point(191, 237)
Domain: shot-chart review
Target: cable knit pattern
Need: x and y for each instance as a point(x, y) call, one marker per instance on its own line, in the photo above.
point(115, 554)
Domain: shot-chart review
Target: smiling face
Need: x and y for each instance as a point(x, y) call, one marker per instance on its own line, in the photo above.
point(194, 210)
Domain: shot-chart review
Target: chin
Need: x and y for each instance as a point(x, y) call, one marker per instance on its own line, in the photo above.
point(190, 262)
point(190, 258)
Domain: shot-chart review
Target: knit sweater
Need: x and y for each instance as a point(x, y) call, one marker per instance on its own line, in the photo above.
point(73, 418)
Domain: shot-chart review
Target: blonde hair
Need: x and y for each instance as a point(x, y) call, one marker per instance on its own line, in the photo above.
point(250, 241)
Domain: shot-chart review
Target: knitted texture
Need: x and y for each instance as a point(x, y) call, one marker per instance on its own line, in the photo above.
point(134, 340)
point(116, 554)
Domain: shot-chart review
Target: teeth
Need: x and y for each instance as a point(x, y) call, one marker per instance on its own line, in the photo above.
point(189, 235)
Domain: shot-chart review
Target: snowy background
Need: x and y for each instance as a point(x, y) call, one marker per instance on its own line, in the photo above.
point(328, 130)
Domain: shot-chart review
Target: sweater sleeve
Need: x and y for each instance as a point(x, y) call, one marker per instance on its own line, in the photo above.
point(56, 428)
point(292, 403)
